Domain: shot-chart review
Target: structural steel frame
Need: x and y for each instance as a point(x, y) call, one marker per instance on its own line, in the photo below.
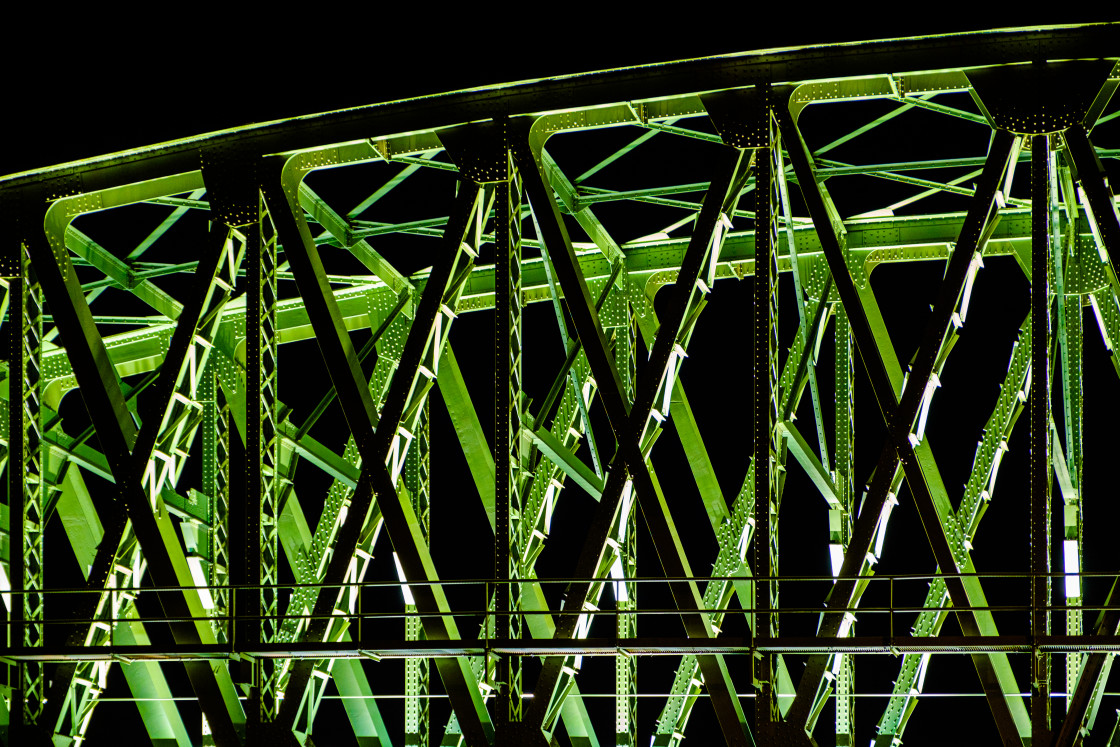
point(203, 550)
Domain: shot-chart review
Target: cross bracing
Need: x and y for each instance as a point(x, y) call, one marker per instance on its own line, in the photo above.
point(562, 281)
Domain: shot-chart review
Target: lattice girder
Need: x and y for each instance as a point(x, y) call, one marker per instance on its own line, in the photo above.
point(226, 509)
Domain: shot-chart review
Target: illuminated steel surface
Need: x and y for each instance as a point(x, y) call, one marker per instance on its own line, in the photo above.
point(382, 432)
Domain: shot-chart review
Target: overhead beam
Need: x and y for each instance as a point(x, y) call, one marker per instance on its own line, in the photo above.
point(950, 51)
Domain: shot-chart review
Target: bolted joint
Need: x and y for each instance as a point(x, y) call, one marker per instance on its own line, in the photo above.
point(230, 173)
point(1040, 98)
point(742, 117)
point(480, 150)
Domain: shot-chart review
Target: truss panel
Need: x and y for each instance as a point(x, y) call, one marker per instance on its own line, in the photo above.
point(592, 351)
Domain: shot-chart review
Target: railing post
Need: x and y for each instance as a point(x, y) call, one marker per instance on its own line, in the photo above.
point(890, 609)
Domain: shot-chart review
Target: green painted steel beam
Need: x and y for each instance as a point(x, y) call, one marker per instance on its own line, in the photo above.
point(75, 509)
point(464, 418)
point(684, 420)
point(628, 148)
point(872, 241)
point(132, 448)
point(979, 492)
point(337, 226)
point(574, 204)
point(389, 186)
point(119, 271)
point(913, 453)
point(572, 466)
point(810, 462)
point(379, 431)
point(733, 532)
point(152, 692)
point(299, 544)
point(401, 144)
point(958, 531)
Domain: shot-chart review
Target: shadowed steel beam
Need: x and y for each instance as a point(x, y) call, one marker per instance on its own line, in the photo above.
point(594, 347)
point(117, 434)
point(374, 439)
point(1041, 272)
point(1102, 210)
point(899, 416)
point(765, 397)
point(629, 424)
point(986, 466)
point(628, 84)
point(152, 418)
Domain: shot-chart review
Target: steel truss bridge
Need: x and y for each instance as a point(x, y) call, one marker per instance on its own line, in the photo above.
point(251, 555)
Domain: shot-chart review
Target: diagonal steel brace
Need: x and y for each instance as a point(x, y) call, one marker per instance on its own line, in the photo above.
point(629, 424)
point(119, 438)
point(1102, 210)
point(899, 415)
point(374, 437)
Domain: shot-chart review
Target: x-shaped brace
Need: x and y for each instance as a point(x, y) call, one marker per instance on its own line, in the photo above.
point(127, 449)
point(900, 415)
point(629, 424)
point(374, 436)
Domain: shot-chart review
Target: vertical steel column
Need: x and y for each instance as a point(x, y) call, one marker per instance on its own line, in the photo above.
point(626, 592)
point(33, 682)
point(417, 722)
point(25, 493)
point(507, 435)
point(840, 521)
point(215, 484)
point(17, 435)
point(765, 331)
point(1040, 434)
point(269, 456)
point(1105, 224)
point(11, 711)
point(1068, 273)
point(219, 482)
point(261, 444)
